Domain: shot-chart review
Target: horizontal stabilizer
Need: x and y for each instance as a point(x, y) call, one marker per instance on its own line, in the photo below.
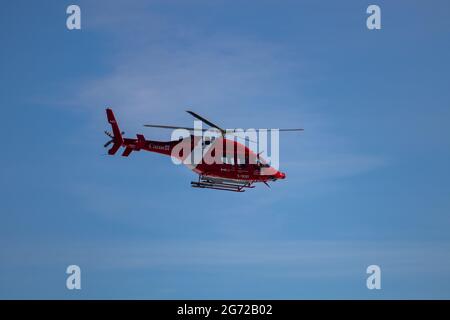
point(127, 152)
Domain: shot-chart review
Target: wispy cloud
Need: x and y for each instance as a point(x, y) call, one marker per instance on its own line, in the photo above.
point(227, 79)
point(331, 166)
point(294, 258)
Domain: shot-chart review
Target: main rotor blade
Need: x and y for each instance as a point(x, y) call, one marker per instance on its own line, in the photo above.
point(298, 129)
point(172, 127)
point(239, 137)
point(209, 123)
point(232, 131)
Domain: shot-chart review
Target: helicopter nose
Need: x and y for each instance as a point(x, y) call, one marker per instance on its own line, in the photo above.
point(280, 175)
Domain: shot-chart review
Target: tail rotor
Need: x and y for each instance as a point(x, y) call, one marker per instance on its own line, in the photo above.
point(116, 135)
point(109, 134)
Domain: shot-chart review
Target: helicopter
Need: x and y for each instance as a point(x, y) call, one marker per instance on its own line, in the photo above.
point(234, 166)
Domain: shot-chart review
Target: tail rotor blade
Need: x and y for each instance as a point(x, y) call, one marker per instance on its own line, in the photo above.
point(108, 143)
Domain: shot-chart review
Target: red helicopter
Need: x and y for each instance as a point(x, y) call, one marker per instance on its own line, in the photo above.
point(235, 168)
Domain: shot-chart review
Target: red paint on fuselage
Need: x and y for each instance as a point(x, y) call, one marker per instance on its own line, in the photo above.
point(248, 169)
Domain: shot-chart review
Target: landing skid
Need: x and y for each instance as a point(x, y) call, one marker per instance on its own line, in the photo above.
point(220, 184)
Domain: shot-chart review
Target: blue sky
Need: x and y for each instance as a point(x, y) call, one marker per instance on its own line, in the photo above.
point(367, 182)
